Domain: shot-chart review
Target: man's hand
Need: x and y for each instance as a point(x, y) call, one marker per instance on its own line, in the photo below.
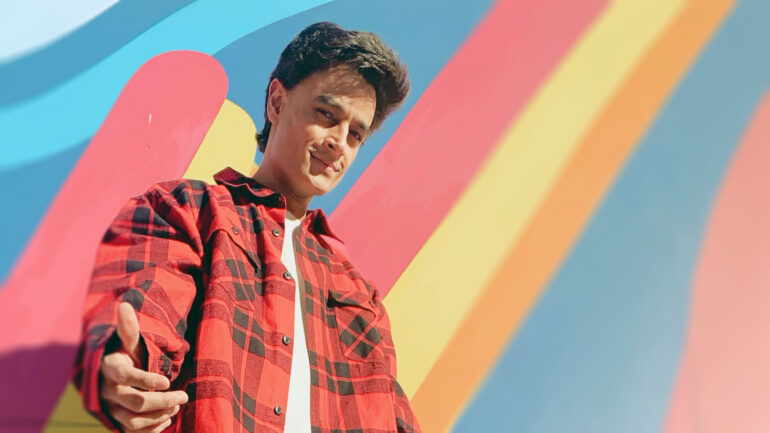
point(124, 381)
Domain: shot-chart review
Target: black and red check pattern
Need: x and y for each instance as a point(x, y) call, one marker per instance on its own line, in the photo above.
point(201, 264)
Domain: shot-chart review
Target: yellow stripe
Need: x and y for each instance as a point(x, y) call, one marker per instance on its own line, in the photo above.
point(69, 415)
point(229, 142)
point(432, 297)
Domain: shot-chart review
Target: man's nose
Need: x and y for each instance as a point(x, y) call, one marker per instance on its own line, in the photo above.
point(336, 138)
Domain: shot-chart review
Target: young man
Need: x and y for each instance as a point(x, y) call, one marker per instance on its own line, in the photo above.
point(227, 307)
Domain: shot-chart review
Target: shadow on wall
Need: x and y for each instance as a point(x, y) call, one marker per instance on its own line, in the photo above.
point(41, 368)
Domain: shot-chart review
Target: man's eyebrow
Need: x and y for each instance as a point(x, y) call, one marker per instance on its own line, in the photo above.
point(331, 101)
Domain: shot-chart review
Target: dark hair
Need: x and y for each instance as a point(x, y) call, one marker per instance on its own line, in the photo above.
point(324, 45)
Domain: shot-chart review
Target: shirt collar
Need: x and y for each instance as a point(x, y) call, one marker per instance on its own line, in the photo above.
point(317, 219)
point(320, 223)
point(231, 177)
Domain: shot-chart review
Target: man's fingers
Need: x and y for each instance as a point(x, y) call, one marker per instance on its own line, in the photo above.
point(139, 421)
point(143, 401)
point(128, 331)
point(152, 429)
point(118, 369)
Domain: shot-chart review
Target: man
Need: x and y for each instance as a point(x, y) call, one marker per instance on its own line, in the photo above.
point(200, 294)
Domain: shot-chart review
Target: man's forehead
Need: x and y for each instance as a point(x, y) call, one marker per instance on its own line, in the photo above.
point(341, 80)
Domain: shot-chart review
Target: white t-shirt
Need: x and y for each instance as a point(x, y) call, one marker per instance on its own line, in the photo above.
point(298, 405)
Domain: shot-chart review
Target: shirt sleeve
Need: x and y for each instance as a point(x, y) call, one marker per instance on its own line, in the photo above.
point(150, 256)
point(406, 421)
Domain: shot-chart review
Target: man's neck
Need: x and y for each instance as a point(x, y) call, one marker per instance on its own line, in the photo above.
point(294, 204)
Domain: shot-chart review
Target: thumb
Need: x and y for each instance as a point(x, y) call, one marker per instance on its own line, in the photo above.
point(128, 332)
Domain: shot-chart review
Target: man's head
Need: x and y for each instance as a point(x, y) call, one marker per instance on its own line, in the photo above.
point(330, 90)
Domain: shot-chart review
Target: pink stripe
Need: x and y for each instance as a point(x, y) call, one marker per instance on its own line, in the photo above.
point(724, 379)
point(151, 134)
point(411, 185)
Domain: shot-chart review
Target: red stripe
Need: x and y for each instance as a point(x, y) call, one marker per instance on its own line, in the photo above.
point(151, 134)
point(407, 190)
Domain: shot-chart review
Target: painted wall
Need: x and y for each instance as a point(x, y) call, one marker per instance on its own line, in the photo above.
point(568, 215)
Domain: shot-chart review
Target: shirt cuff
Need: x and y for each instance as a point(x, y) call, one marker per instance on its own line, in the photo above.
point(89, 387)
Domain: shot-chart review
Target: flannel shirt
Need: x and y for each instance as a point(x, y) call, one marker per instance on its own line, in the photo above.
point(201, 265)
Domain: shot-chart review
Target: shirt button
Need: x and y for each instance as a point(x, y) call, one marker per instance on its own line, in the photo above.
point(287, 275)
point(286, 340)
point(278, 410)
point(276, 232)
point(235, 230)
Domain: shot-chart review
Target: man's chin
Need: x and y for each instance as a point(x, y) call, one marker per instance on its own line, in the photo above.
point(319, 191)
point(314, 190)
point(318, 187)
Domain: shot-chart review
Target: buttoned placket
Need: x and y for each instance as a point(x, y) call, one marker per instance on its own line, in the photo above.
point(285, 320)
point(278, 233)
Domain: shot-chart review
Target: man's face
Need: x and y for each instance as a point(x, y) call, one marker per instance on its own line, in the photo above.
point(317, 129)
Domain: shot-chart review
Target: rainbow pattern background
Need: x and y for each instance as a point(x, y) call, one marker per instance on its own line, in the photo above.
point(568, 216)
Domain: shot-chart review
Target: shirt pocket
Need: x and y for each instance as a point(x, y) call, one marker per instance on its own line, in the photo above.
point(235, 273)
point(356, 319)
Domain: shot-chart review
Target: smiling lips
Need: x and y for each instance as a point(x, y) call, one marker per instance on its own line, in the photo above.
point(328, 165)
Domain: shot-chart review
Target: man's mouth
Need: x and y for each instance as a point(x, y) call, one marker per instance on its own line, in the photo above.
point(329, 165)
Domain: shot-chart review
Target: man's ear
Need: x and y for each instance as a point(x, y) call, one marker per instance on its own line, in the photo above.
point(276, 97)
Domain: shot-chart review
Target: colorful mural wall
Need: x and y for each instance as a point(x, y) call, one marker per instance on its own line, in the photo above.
point(568, 216)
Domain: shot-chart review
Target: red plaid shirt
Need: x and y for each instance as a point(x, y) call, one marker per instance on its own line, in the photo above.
point(201, 264)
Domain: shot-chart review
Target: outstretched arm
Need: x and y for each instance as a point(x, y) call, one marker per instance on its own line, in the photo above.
point(147, 273)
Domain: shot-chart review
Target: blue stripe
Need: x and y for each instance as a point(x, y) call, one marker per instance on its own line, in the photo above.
point(28, 192)
point(600, 351)
point(60, 61)
point(70, 113)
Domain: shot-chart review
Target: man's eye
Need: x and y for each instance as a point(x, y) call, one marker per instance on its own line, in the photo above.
point(357, 139)
point(326, 114)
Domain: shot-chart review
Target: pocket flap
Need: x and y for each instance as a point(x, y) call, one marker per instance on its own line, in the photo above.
point(353, 297)
point(235, 233)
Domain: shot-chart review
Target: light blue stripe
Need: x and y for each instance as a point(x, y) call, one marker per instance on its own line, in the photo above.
point(248, 62)
point(600, 351)
point(26, 26)
point(58, 62)
point(68, 114)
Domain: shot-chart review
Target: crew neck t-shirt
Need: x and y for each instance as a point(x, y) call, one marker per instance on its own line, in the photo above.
point(298, 404)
